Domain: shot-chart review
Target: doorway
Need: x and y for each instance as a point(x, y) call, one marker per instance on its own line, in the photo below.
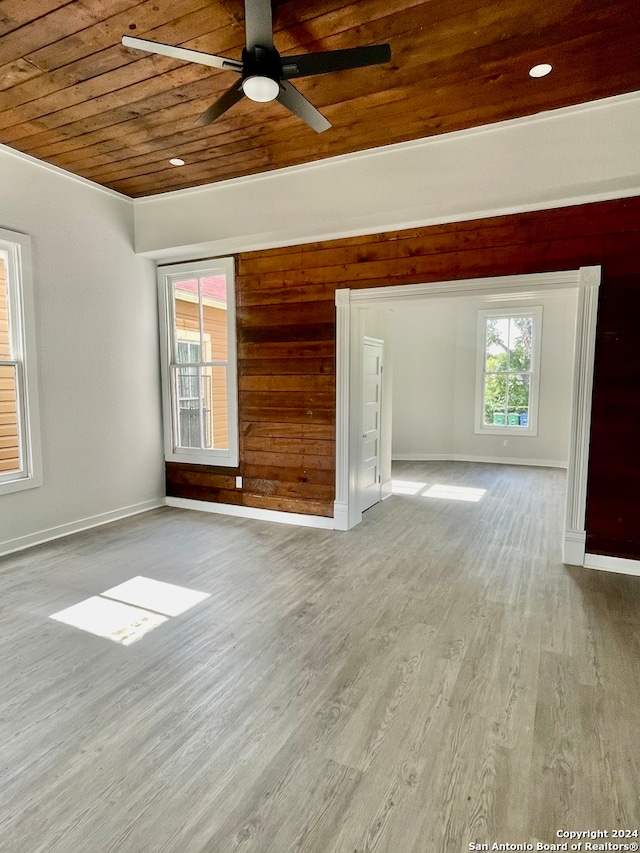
point(349, 304)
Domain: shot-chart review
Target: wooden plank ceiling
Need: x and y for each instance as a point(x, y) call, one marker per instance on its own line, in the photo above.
point(72, 95)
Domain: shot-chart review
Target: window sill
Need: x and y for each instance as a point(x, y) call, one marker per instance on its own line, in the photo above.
point(20, 484)
point(507, 430)
point(203, 457)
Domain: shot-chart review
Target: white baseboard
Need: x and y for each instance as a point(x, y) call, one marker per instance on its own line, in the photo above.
point(422, 457)
point(42, 536)
point(461, 457)
point(252, 512)
point(612, 564)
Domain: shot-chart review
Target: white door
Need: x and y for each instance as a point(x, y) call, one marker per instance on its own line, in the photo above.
point(369, 479)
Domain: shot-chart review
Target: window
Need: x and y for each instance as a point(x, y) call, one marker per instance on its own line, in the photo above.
point(199, 362)
point(20, 464)
point(508, 371)
point(189, 399)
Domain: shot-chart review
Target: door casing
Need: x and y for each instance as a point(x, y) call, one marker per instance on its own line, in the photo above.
point(371, 494)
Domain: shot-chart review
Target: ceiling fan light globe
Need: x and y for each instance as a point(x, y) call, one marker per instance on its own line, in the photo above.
point(261, 89)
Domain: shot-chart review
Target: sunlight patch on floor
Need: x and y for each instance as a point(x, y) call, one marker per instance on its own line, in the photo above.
point(127, 612)
point(166, 598)
point(454, 493)
point(111, 619)
point(438, 490)
point(406, 487)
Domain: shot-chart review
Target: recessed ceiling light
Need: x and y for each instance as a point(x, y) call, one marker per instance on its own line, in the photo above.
point(176, 161)
point(540, 70)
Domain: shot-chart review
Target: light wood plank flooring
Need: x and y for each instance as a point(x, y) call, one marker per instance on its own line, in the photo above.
point(433, 678)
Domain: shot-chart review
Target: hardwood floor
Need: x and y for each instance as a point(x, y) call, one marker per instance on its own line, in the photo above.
point(433, 678)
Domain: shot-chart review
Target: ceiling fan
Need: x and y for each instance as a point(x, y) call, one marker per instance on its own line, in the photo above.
point(265, 74)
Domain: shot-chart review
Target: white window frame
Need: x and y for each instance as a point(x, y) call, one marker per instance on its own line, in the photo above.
point(22, 339)
point(168, 343)
point(534, 389)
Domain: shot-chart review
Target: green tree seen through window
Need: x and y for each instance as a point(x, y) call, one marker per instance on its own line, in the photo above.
point(507, 367)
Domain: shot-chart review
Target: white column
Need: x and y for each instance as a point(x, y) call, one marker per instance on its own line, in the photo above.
point(575, 534)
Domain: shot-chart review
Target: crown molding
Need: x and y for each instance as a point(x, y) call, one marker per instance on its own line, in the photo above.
point(57, 170)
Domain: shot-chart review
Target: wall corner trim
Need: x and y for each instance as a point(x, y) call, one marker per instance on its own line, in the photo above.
point(343, 371)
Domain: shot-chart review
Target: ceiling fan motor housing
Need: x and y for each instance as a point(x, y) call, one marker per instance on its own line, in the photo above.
point(261, 62)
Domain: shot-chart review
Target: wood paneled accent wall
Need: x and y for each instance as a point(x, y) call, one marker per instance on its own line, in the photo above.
point(286, 350)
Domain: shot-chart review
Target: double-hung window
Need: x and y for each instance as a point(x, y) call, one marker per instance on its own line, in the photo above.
point(199, 362)
point(508, 371)
point(20, 461)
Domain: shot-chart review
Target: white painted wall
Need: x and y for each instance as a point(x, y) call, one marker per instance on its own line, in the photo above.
point(98, 364)
point(435, 374)
point(424, 342)
point(562, 157)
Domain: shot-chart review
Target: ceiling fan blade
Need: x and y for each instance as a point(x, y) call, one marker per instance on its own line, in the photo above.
point(293, 100)
point(258, 23)
point(225, 102)
point(307, 64)
point(183, 53)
